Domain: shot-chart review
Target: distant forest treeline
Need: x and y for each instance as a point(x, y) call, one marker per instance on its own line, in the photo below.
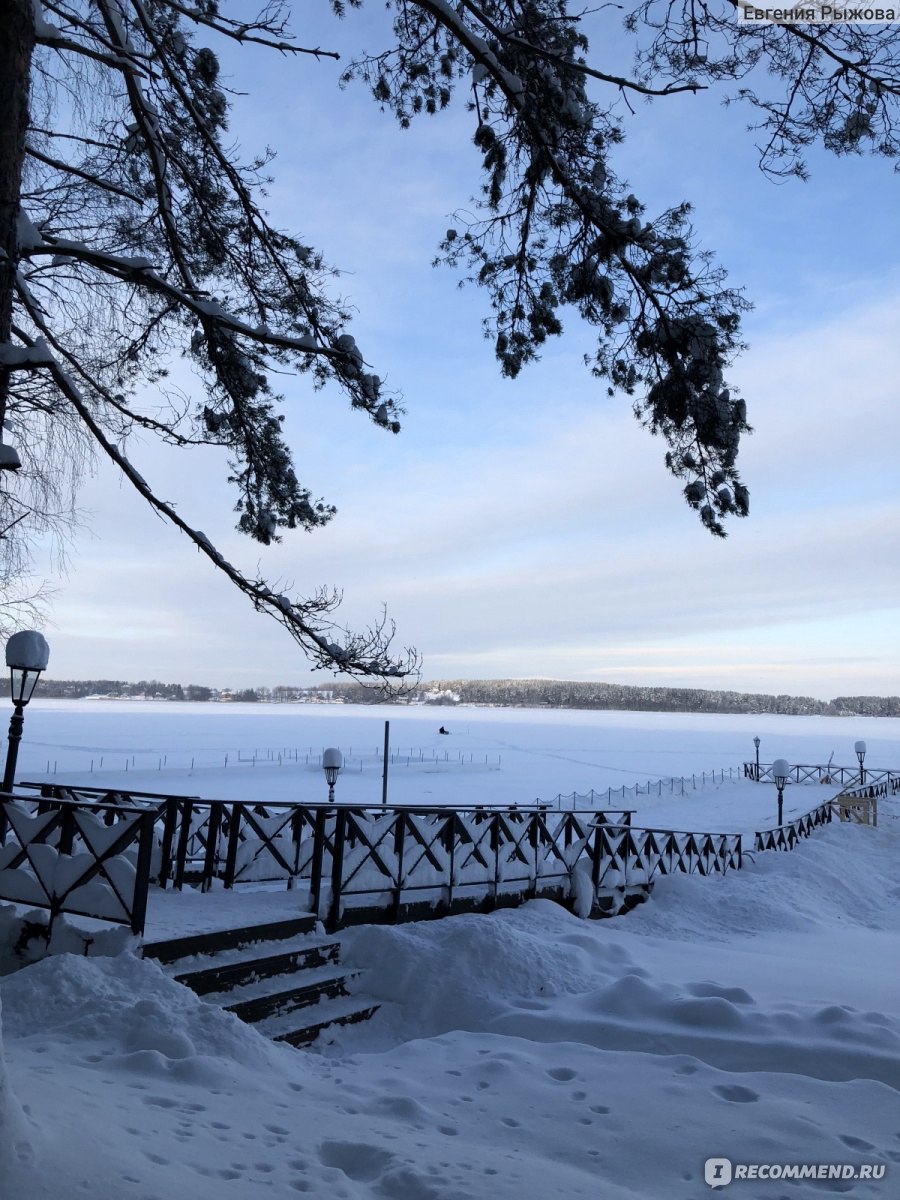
point(504, 693)
point(557, 693)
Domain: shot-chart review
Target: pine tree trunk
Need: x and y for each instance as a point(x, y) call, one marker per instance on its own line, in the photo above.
point(16, 46)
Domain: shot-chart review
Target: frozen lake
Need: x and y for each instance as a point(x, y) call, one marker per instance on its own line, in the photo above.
point(489, 756)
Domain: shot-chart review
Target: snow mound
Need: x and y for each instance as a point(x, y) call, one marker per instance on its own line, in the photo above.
point(841, 876)
point(462, 972)
point(144, 1019)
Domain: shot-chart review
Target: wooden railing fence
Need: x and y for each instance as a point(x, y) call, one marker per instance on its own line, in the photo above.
point(96, 852)
point(828, 773)
point(786, 837)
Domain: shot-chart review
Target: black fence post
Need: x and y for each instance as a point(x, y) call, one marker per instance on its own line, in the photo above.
point(495, 846)
point(626, 846)
point(186, 809)
point(315, 864)
point(597, 858)
point(535, 840)
point(449, 835)
point(169, 812)
point(337, 868)
point(213, 825)
point(66, 830)
point(399, 842)
point(296, 838)
point(147, 823)
point(234, 838)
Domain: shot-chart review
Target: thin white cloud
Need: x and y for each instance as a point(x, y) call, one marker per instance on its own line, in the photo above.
point(528, 528)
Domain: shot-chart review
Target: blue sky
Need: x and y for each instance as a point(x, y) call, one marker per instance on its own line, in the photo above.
point(529, 528)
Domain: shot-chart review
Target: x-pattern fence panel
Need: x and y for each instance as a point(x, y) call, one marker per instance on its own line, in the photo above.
point(875, 791)
point(634, 856)
point(826, 773)
point(786, 836)
point(396, 857)
point(91, 860)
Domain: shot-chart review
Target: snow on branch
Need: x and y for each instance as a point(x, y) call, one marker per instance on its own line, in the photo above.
point(259, 31)
point(560, 230)
point(25, 358)
point(541, 52)
point(328, 645)
point(139, 271)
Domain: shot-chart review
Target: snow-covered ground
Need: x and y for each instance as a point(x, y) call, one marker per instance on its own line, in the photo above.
point(522, 1055)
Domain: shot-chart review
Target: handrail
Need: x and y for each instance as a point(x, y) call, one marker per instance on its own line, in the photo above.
point(353, 862)
point(786, 836)
point(824, 773)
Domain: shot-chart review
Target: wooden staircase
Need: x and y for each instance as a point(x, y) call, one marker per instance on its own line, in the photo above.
point(281, 977)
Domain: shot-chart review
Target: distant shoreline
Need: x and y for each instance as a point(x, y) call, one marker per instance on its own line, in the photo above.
point(489, 693)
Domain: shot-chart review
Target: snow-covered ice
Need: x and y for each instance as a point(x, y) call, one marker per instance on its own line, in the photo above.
point(521, 1055)
point(492, 756)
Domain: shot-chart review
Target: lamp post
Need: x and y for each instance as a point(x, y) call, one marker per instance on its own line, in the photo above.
point(781, 769)
point(332, 761)
point(27, 655)
point(756, 744)
point(860, 748)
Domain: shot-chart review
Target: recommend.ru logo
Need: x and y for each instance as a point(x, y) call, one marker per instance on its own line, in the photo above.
point(718, 1172)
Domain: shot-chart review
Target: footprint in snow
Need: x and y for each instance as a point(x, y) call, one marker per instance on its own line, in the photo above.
point(359, 1161)
point(687, 1069)
point(562, 1074)
point(855, 1143)
point(155, 1158)
point(737, 1094)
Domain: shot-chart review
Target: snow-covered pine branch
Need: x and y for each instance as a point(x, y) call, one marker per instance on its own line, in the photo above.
point(324, 642)
point(137, 235)
point(558, 230)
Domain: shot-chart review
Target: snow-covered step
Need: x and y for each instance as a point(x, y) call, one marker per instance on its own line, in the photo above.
point(210, 975)
point(214, 941)
point(257, 1001)
point(302, 1028)
point(283, 977)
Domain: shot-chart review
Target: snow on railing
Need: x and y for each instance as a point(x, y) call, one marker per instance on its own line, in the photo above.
point(68, 856)
point(827, 774)
point(860, 803)
point(786, 837)
point(352, 863)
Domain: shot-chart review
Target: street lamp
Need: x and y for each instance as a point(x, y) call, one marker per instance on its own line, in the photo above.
point(332, 761)
point(860, 748)
point(27, 655)
point(756, 744)
point(781, 770)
